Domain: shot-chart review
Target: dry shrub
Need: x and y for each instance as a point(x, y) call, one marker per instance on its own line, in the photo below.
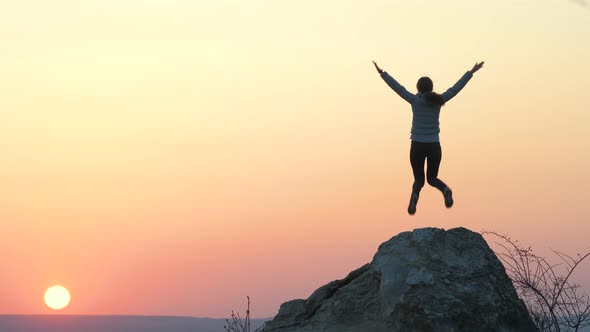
point(556, 304)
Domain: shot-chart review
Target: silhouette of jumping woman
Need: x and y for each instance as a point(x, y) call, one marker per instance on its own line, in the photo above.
point(426, 106)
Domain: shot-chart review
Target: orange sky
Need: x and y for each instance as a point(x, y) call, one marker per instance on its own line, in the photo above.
point(172, 157)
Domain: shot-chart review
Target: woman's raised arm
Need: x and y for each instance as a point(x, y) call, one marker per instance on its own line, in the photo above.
point(393, 84)
point(454, 90)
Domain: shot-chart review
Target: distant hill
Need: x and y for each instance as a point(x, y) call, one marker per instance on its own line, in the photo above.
point(74, 323)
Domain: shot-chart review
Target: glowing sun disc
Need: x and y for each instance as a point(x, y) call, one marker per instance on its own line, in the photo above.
point(57, 297)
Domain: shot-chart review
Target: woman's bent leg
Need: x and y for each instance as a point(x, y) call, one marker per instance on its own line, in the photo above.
point(434, 158)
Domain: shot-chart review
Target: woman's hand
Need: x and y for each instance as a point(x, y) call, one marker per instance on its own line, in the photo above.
point(476, 67)
point(379, 70)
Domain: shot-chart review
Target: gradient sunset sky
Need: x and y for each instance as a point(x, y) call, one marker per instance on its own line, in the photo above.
point(171, 157)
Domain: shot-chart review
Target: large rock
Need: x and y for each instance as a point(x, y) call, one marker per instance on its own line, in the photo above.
point(426, 280)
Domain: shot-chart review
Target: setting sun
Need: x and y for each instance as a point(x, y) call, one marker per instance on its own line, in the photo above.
point(57, 297)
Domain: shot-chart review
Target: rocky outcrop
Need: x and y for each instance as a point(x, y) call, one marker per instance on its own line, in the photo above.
point(425, 280)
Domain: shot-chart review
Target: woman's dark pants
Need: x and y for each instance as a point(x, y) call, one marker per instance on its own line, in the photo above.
point(419, 152)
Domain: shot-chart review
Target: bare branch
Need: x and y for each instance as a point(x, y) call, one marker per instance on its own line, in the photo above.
point(554, 303)
point(237, 324)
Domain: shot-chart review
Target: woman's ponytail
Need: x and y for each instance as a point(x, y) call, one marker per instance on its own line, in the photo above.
point(434, 98)
point(424, 86)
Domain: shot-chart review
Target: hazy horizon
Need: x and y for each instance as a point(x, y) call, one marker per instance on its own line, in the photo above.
point(98, 323)
point(113, 323)
point(173, 157)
